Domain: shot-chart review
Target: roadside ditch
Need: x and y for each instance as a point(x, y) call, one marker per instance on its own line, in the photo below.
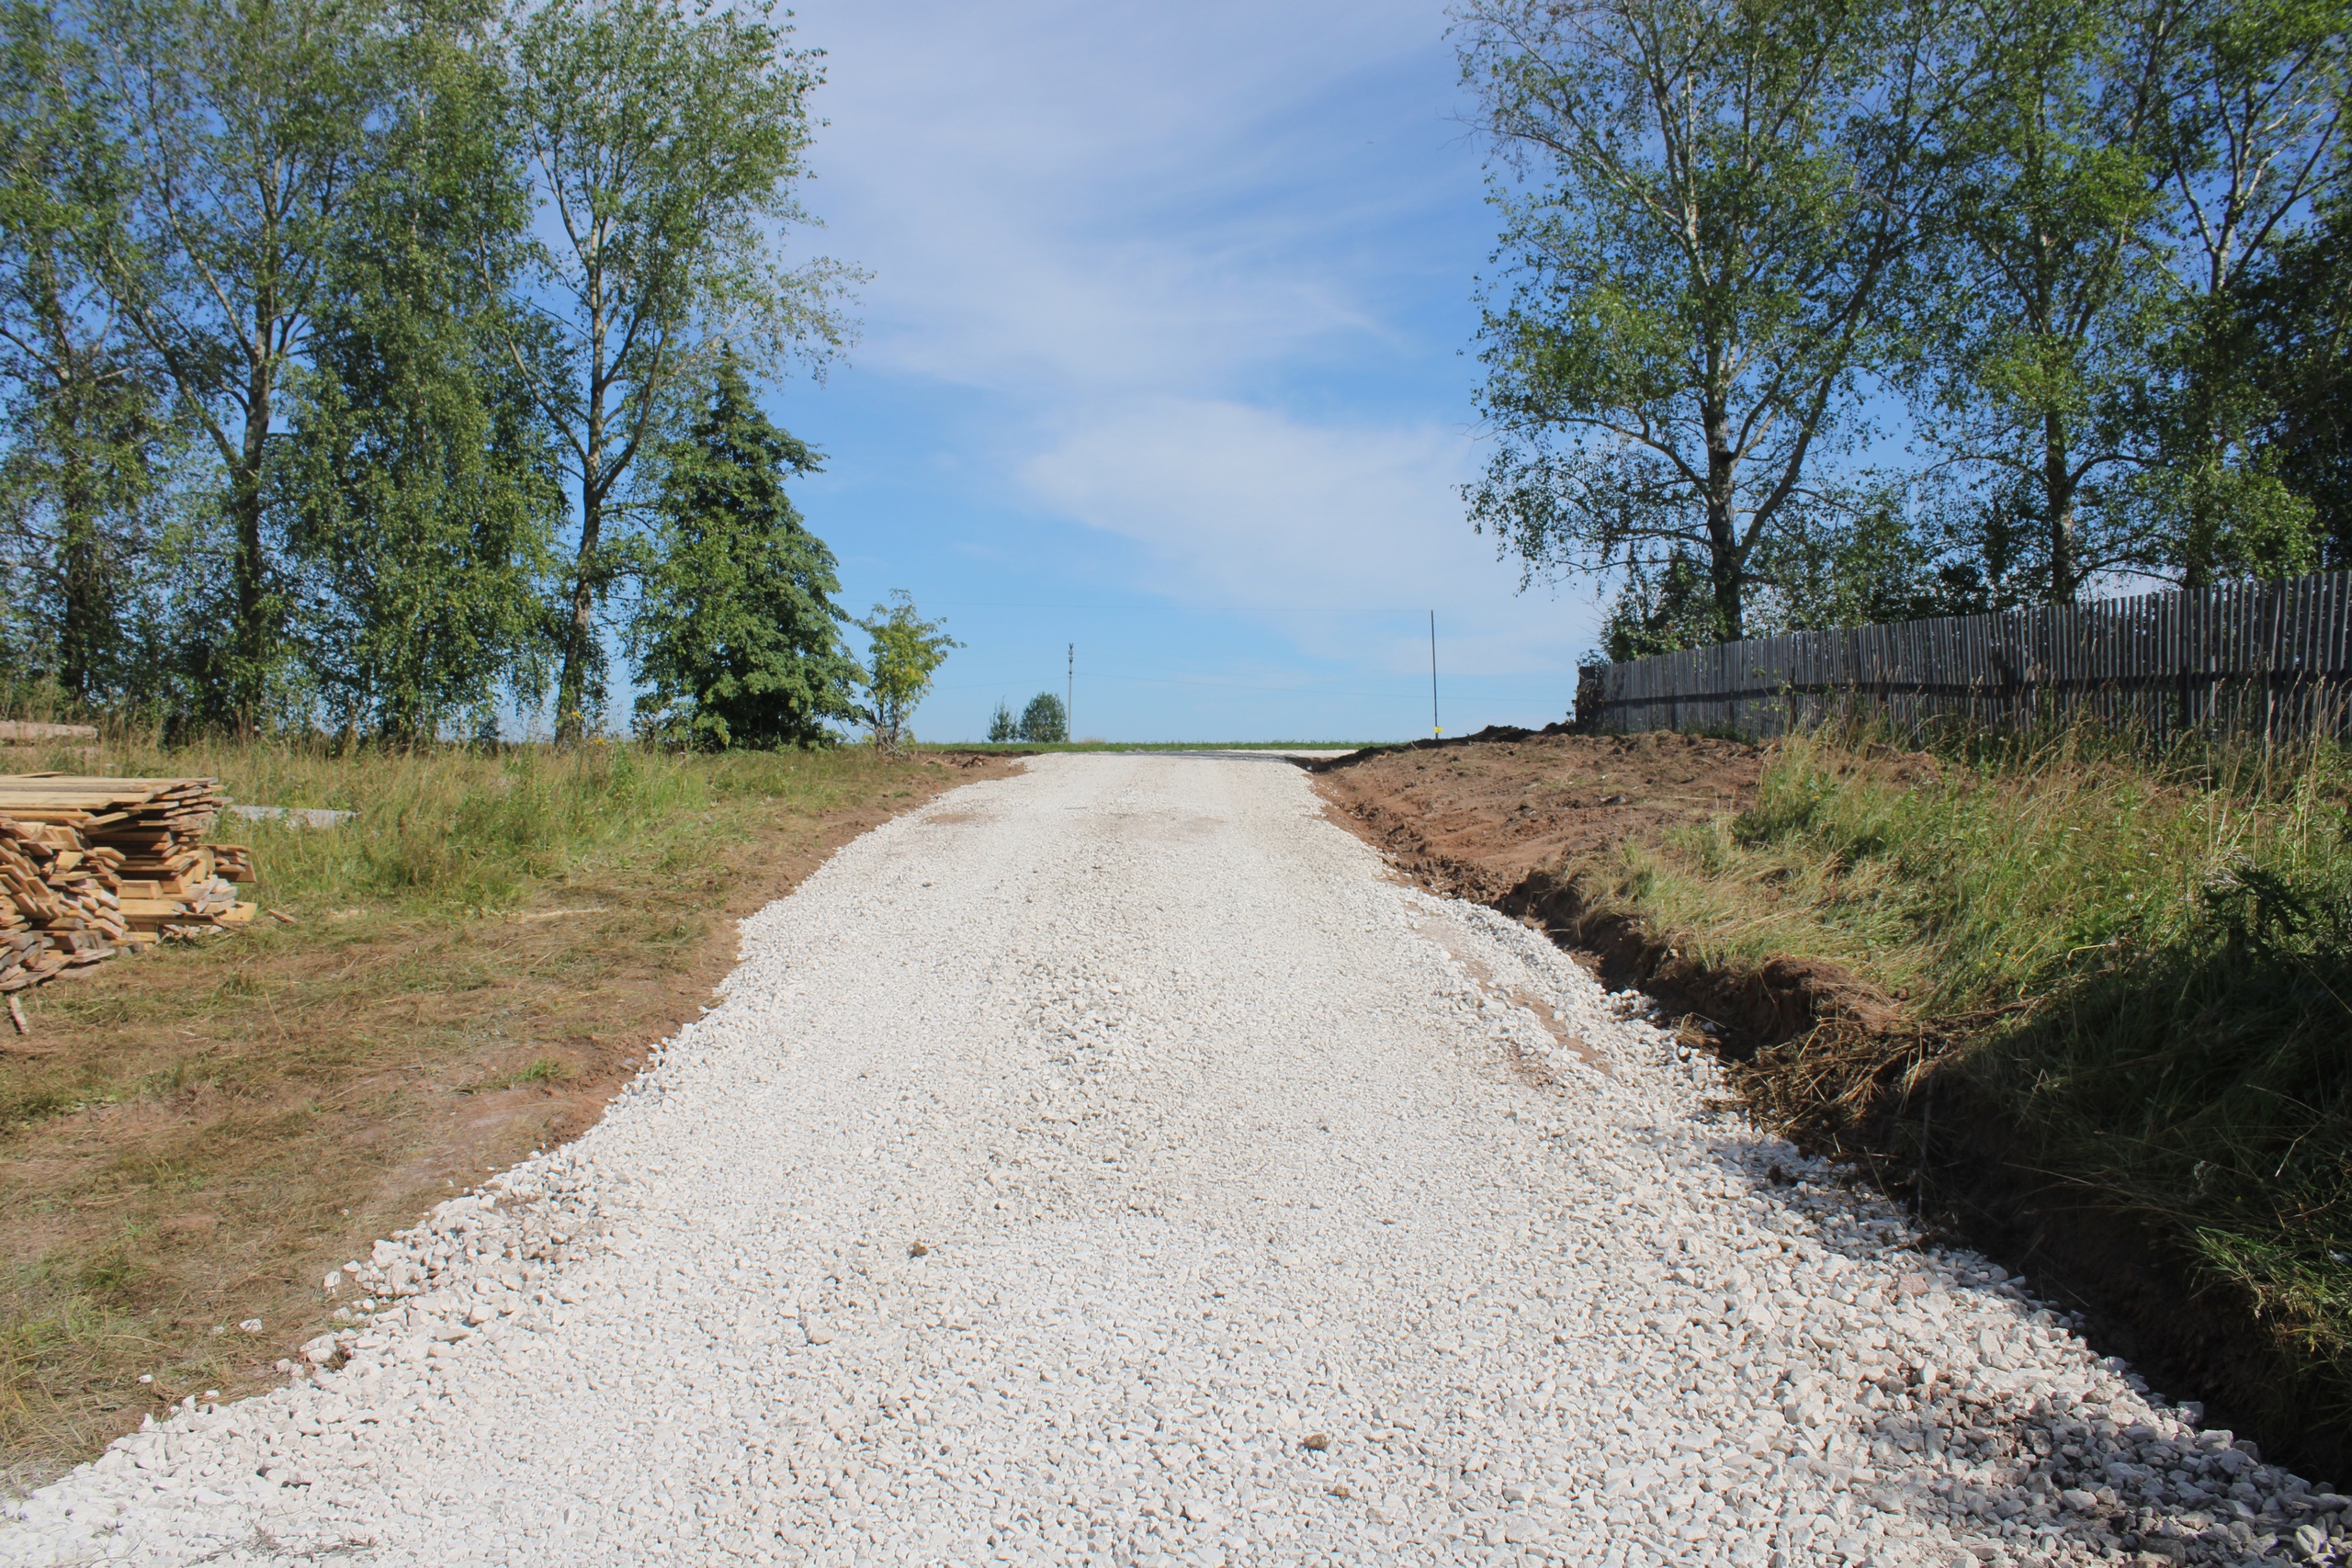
point(1821, 1054)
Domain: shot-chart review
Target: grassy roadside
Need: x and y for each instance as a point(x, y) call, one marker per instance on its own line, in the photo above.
point(2123, 997)
point(477, 960)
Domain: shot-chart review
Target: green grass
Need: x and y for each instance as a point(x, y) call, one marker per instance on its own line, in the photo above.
point(455, 831)
point(2144, 966)
point(1978, 882)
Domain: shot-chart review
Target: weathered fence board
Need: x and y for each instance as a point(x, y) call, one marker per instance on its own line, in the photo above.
point(2274, 658)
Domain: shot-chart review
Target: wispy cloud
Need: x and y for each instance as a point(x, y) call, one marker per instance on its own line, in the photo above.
point(1246, 508)
point(1067, 199)
point(1196, 279)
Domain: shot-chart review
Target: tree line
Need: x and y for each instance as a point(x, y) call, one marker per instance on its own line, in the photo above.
point(376, 366)
point(1822, 312)
point(1044, 721)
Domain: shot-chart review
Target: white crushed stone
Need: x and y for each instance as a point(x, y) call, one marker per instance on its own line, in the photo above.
point(1112, 1165)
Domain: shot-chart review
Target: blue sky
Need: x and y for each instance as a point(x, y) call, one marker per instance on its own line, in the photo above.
point(1162, 355)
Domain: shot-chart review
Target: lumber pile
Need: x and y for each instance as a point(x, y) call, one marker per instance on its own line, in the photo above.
point(91, 866)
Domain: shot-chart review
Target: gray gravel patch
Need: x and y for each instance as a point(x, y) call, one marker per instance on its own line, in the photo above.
point(1113, 1165)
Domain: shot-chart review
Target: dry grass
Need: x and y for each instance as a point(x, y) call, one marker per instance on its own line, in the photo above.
point(478, 960)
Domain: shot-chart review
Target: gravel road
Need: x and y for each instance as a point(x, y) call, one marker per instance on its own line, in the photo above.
point(1113, 1165)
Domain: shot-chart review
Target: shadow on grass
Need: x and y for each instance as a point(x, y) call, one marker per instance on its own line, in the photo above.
point(2188, 1113)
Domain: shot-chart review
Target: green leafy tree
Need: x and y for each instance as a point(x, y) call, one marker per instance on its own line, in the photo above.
point(1860, 561)
point(736, 635)
point(1661, 609)
point(906, 651)
point(2259, 91)
point(2045, 299)
point(87, 432)
point(1044, 721)
point(1868, 562)
point(665, 148)
point(1713, 199)
point(420, 483)
point(243, 126)
point(2297, 322)
point(1002, 726)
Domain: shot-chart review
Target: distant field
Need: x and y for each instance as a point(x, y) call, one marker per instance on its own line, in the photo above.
point(1023, 748)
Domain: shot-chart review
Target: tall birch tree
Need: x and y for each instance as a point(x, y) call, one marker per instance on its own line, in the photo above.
point(1710, 201)
point(2047, 299)
point(666, 148)
point(2259, 93)
point(243, 127)
point(419, 487)
point(84, 423)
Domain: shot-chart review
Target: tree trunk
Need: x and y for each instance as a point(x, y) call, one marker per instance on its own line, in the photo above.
point(2058, 502)
point(82, 642)
point(82, 555)
point(1726, 570)
point(580, 630)
point(249, 679)
point(76, 408)
point(571, 687)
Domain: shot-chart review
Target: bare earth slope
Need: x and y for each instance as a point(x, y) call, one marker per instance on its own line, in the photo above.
point(1111, 1165)
point(1474, 818)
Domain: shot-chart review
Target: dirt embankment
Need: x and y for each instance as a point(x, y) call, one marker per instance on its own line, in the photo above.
point(1500, 817)
point(1818, 1051)
point(1474, 818)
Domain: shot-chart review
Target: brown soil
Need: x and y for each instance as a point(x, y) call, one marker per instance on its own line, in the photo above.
point(1471, 818)
point(1504, 817)
point(238, 1119)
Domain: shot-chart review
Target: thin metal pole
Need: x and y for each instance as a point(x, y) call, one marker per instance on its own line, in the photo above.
point(1437, 730)
point(1069, 698)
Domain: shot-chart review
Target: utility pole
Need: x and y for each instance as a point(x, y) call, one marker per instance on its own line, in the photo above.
point(1437, 730)
point(1070, 696)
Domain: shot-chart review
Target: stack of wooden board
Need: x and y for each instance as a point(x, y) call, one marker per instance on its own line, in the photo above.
point(89, 865)
point(60, 909)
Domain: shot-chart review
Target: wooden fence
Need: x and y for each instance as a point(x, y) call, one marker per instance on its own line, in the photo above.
point(2274, 658)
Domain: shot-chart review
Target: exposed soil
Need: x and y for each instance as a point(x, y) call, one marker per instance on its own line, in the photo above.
point(1503, 819)
point(198, 1136)
point(1471, 818)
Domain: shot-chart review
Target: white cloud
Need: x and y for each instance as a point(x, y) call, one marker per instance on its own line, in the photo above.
point(1167, 247)
point(1056, 198)
point(1248, 508)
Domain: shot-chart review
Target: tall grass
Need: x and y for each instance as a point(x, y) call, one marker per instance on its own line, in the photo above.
point(457, 830)
point(1987, 879)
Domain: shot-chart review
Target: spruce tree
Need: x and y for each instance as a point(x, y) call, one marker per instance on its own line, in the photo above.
point(736, 634)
